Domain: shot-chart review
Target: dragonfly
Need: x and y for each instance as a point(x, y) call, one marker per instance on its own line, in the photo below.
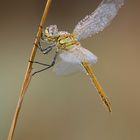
point(74, 57)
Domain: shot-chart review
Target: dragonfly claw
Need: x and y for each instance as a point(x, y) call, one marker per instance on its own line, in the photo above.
point(30, 61)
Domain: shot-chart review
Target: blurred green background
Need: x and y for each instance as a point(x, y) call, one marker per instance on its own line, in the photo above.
point(69, 108)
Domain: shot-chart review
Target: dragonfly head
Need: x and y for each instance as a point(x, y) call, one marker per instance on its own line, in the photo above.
point(51, 31)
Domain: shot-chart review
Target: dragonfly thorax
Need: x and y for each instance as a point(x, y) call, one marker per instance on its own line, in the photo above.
point(66, 41)
point(62, 39)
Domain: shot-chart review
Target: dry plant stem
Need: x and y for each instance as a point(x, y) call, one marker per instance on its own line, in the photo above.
point(28, 74)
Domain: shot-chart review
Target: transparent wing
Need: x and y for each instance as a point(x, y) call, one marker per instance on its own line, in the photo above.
point(99, 19)
point(71, 60)
point(65, 68)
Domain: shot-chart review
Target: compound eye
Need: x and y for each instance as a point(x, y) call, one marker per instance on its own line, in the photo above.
point(52, 30)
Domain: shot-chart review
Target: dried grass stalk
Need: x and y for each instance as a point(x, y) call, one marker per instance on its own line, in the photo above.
point(28, 74)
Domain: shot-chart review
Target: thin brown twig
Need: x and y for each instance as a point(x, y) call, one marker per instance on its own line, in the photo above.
point(28, 74)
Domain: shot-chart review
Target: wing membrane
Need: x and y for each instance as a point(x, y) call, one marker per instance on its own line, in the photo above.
point(77, 55)
point(99, 19)
point(71, 60)
point(63, 68)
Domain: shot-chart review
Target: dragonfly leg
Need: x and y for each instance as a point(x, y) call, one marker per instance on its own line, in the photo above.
point(47, 65)
point(45, 50)
point(43, 36)
point(43, 64)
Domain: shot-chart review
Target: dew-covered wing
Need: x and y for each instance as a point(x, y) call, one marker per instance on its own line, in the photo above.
point(99, 19)
point(64, 68)
point(71, 60)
